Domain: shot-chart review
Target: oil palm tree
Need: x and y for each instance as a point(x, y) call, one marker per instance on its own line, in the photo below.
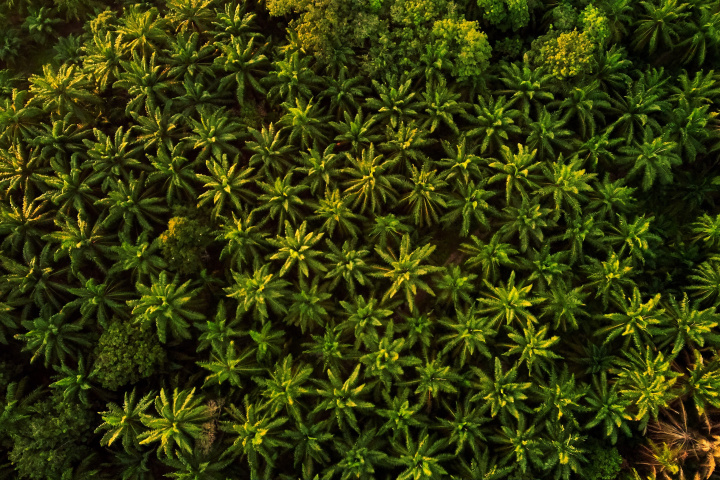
point(165, 304)
point(64, 91)
point(336, 212)
point(517, 171)
point(496, 121)
point(179, 421)
point(406, 269)
point(258, 291)
point(654, 158)
point(54, 337)
point(125, 423)
point(368, 184)
point(225, 186)
point(509, 302)
point(270, 150)
point(341, 398)
point(305, 122)
point(146, 82)
point(243, 62)
point(296, 249)
point(216, 133)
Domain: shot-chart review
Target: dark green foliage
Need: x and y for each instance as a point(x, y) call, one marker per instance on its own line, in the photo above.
point(126, 353)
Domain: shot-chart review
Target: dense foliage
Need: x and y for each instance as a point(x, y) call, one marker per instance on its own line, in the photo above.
point(392, 239)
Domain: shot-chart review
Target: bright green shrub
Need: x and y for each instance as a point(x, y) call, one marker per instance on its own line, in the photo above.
point(463, 44)
point(183, 243)
point(567, 54)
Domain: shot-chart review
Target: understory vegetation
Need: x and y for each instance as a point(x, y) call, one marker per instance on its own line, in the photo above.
point(359, 239)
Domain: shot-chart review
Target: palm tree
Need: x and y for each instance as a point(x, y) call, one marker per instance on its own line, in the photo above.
point(363, 318)
point(521, 444)
point(455, 286)
point(610, 277)
point(565, 305)
point(495, 120)
point(80, 240)
point(684, 325)
point(226, 185)
point(142, 32)
point(124, 423)
point(534, 348)
point(308, 439)
point(527, 221)
point(405, 270)
point(461, 164)
point(243, 62)
point(282, 200)
point(229, 364)
point(234, 22)
point(285, 386)
point(215, 133)
point(658, 27)
point(100, 301)
point(396, 101)
point(357, 131)
point(425, 200)
point(637, 235)
point(165, 304)
point(158, 129)
point(654, 157)
point(52, 336)
point(490, 256)
point(65, 91)
point(360, 456)
point(470, 204)
point(140, 256)
point(244, 241)
point(547, 132)
point(179, 421)
point(563, 452)
point(18, 116)
point(258, 291)
point(344, 91)
point(257, 435)
point(529, 87)
point(441, 105)
point(502, 394)
point(175, 173)
point(468, 332)
point(434, 378)
point(336, 212)
point(509, 302)
point(405, 145)
point(689, 129)
point(647, 381)
point(296, 249)
point(102, 58)
point(610, 198)
point(342, 398)
point(347, 263)
point(706, 282)
point(148, 84)
point(611, 408)
point(269, 150)
point(292, 78)
point(636, 111)
point(72, 188)
point(23, 224)
point(369, 185)
point(386, 359)
point(567, 182)
point(305, 122)
point(114, 157)
point(130, 202)
point(187, 15)
point(422, 458)
point(516, 169)
point(310, 307)
point(321, 168)
point(190, 59)
point(584, 104)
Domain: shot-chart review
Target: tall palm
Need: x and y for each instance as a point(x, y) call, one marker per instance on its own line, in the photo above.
point(296, 249)
point(225, 186)
point(369, 185)
point(654, 158)
point(244, 63)
point(258, 291)
point(529, 87)
point(305, 123)
point(517, 171)
point(64, 91)
point(216, 133)
point(124, 423)
point(146, 82)
point(270, 150)
point(179, 421)
point(496, 121)
point(509, 302)
point(165, 304)
point(406, 269)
